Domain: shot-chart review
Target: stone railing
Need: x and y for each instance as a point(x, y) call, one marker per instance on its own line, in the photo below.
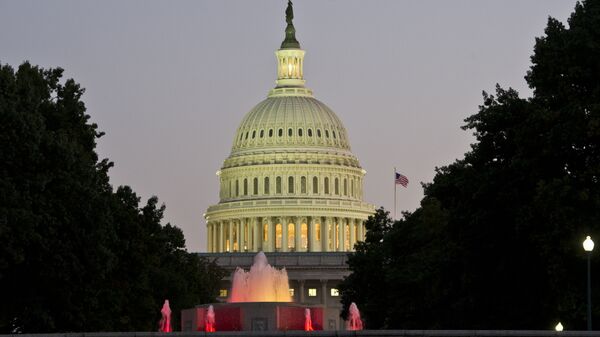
point(288, 260)
point(292, 202)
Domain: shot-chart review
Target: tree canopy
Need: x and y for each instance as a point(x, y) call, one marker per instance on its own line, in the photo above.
point(497, 240)
point(77, 255)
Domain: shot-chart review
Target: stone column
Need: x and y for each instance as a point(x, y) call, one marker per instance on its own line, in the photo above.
point(360, 230)
point(352, 223)
point(271, 235)
point(325, 235)
point(284, 234)
point(237, 233)
point(324, 293)
point(230, 228)
point(216, 236)
point(242, 230)
point(257, 239)
point(341, 234)
point(220, 242)
point(298, 234)
point(213, 226)
point(312, 235)
point(301, 289)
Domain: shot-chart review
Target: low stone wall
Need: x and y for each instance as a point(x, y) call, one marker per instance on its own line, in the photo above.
point(364, 333)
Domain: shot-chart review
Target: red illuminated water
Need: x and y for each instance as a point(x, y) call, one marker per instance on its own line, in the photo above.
point(262, 283)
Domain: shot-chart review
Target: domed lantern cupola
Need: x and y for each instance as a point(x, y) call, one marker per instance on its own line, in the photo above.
point(290, 57)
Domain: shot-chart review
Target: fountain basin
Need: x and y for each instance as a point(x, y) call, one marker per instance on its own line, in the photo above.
point(252, 316)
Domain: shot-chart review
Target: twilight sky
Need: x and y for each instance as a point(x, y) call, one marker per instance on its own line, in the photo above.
point(169, 81)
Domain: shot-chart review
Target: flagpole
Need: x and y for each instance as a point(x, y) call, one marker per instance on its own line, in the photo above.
point(395, 193)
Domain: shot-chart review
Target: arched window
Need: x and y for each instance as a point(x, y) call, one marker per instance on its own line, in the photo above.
point(304, 237)
point(318, 231)
point(278, 185)
point(270, 133)
point(280, 132)
point(266, 187)
point(265, 232)
point(345, 187)
point(262, 133)
point(336, 186)
point(299, 132)
point(309, 132)
point(326, 133)
point(246, 135)
point(241, 136)
point(255, 189)
point(245, 186)
point(333, 133)
point(291, 185)
point(330, 231)
point(290, 132)
point(315, 185)
point(278, 236)
point(352, 187)
point(337, 235)
point(253, 134)
point(347, 237)
point(303, 185)
point(319, 133)
point(237, 188)
point(326, 185)
point(291, 236)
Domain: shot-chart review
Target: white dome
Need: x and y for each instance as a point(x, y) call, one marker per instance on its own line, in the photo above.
point(293, 122)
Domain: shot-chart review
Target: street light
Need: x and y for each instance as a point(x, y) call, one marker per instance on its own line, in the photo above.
point(588, 246)
point(559, 327)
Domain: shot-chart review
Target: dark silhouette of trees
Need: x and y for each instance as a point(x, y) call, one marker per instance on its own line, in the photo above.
point(497, 240)
point(74, 254)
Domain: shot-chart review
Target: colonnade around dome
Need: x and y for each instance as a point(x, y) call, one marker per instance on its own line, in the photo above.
point(346, 186)
point(285, 234)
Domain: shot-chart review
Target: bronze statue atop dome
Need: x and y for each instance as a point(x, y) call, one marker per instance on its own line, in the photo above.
point(290, 32)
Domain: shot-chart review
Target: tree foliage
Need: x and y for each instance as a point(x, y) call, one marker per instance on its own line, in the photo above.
point(496, 241)
point(76, 255)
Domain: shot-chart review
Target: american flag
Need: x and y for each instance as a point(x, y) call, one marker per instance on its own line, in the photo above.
point(401, 179)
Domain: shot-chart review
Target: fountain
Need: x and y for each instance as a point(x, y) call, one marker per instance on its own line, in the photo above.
point(259, 300)
point(165, 321)
point(354, 322)
point(262, 283)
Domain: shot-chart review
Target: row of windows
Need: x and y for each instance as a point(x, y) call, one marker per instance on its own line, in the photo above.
point(241, 187)
point(290, 133)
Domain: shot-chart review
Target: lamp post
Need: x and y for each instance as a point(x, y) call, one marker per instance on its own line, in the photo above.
point(588, 246)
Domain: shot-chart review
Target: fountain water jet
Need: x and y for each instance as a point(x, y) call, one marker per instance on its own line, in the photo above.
point(165, 321)
point(354, 322)
point(262, 283)
point(307, 320)
point(209, 320)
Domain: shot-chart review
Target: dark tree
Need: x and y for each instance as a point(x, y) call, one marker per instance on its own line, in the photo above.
point(76, 256)
point(496, 242)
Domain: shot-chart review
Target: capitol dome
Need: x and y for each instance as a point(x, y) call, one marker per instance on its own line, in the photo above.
point(291, 182)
